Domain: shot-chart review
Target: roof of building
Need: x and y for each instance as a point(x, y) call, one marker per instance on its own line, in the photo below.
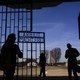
point(36, 4)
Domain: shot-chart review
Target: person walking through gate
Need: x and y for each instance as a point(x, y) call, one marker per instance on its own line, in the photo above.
point(71, 54)
point(9, 51)
point(42, 63)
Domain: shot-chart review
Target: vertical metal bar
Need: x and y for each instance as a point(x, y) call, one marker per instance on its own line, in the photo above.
point(44, 45)
point(22, 43)
point(79, 25)
point(18, 44)
point(14, 20)
point(18, 18)
point(1, 30)
point(17, 59)
point(40, 47)
point(26, 59)
point(39, 55)
point(22, 19)
point(22, 59)
point(10, 19)
point(31, 19)
point(31, 43)
point(1, 23)
point(6, 24)
point(15, 13)
point(36, 57)
point(44, 41)
point(26, 20)
point(31, 61)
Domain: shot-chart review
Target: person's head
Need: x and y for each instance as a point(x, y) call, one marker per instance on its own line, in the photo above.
point(69, 45)
point(42, 54)
point(11, 38)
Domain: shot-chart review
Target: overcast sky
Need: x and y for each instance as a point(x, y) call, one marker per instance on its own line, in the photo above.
point(60, 25)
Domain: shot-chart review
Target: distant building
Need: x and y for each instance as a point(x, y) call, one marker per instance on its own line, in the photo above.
point(55, 55)
point(52, 61)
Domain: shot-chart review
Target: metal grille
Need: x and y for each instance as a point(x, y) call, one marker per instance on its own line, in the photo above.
point(19, 21)
point(31, 44)
point(14, 20)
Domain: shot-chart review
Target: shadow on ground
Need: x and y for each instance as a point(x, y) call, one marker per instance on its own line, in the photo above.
point(46, 78)
point(38, 78)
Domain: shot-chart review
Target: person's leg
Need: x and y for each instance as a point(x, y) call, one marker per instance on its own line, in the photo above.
point(9, 74)
point(69, 73)
point(44, 71)
point(75, 74)
point(40, 71)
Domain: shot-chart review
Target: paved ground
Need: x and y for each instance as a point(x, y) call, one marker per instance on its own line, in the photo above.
point(52, 73)
point(37, 78)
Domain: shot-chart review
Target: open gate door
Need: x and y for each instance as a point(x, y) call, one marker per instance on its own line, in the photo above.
point(31, 44)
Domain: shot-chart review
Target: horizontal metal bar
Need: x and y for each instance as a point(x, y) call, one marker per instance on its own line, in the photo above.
point(2, 34)
point(15, 11)
point(31, 50)
point(4, 19)
point(30, 42)
point(30, 32)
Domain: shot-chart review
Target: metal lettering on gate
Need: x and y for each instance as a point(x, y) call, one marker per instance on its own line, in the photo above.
point(31, 37)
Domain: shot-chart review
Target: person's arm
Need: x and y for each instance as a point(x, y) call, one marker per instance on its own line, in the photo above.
point(77, 53)
point(19, 53)
point(39, 60)
point(66, 55)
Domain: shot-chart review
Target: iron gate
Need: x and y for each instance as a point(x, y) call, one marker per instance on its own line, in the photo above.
point(31, 44)
point(13, 20)
point(19, 21)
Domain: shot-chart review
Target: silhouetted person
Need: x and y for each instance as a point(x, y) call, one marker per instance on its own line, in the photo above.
point(10, 51)
point(71, 54)
point(42, 63)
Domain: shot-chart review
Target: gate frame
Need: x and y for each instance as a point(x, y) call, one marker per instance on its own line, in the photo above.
point(31, 44)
